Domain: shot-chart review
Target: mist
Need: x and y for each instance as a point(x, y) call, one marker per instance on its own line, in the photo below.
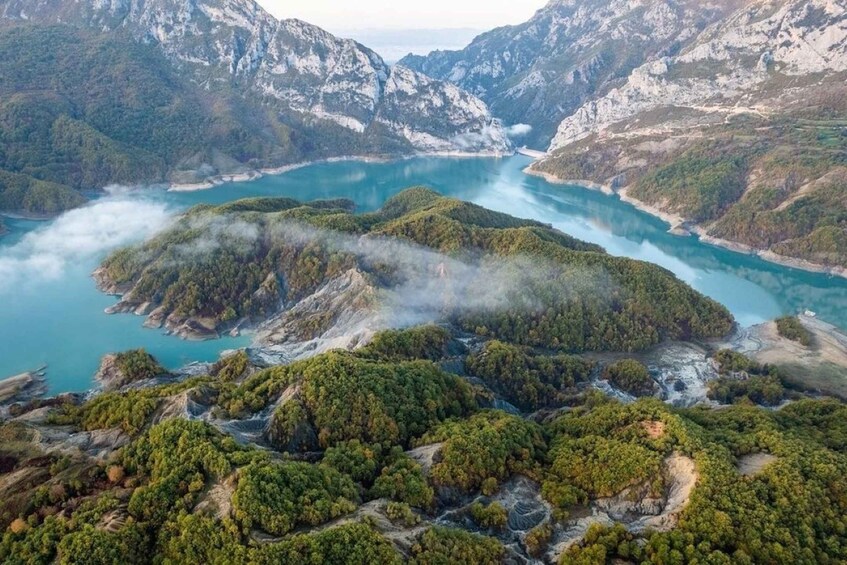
point(417, 284)
point(475, 141)
point(519, 130)
point(79, 237)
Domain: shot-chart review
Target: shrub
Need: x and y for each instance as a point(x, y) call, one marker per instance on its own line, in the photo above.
point(492, 516)
point(279, 497)
point(791, 328)
point(630, 376)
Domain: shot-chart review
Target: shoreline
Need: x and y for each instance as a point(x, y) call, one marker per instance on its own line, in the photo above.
point(6, 230)
point(29, 217)
point(250, 176)
point(682, 227)
point(553, 179)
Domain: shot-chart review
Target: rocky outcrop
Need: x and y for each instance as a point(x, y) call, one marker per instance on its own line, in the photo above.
point(186, 327)
point(341, 314)
point(639, 508)
point(190, 404)
point(296, 67)
point(109, 374)
point(755, 463)
point(97, 444)
point(425, 455)
point(120, 370)
point(636, 507)
point(633, 501)
point(21, 387)
point(455, 120)
point(289, 429)
point(217, 501)
point(753, 62)
point(526, 509)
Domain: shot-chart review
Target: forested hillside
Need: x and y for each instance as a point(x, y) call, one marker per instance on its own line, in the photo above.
point(196, 92)
point(775, 185)
point(480, 437)
point(740, 134)
point(251, 260)
point(81, 110)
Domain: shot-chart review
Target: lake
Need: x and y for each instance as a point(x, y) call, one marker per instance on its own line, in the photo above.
point(51, 314)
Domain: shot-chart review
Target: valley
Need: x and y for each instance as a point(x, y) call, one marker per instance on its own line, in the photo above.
point(574, 293)
point(729, 119)
point(223, 91)
point(753, 290)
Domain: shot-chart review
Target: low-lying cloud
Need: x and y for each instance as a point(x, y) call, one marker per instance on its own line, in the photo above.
point(477, 141)
point(77, 237)
point(425, 285)
point(519, 130)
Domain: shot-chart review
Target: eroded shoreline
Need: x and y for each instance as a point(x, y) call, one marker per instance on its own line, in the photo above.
point(681, 226)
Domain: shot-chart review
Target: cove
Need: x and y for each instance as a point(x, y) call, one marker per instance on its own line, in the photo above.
point(56, 317)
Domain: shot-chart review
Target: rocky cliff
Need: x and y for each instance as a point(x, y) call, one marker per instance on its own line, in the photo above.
point(539, 72)
point(298, 66)
point(758, 60)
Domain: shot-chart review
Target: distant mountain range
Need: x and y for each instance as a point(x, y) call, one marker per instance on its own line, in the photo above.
point(728, 117)
point(394, 44)
point(129, 91)
point(572, 51)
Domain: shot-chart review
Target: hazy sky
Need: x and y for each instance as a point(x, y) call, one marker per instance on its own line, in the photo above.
point(410, 14)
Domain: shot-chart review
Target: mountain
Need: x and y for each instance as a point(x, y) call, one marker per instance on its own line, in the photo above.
point(572, 51)
point(394, 44)
point(182, 91)
point(762, 58)
point(727, 118)
point(741, 136)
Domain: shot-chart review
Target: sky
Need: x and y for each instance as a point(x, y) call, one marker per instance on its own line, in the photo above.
point(337, 15)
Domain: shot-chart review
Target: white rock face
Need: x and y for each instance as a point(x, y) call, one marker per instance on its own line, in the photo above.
point(455, 120)
point(569, 52)
point(298, 66)
point(732, 66)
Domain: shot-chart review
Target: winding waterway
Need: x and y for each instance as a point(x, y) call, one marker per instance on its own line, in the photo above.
point(51, 314)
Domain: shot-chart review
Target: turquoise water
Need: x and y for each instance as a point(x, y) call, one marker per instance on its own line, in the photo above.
point(59, 321)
